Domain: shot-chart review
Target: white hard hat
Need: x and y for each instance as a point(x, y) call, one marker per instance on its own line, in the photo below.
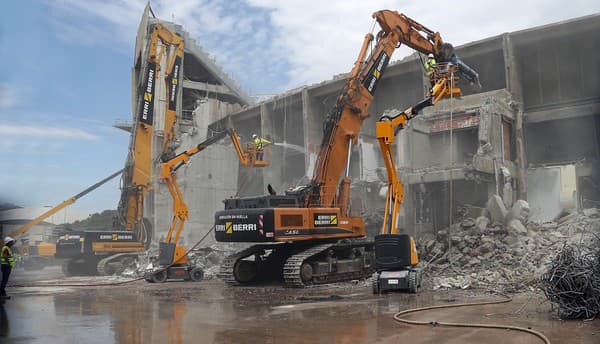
point(430, 55)
point(8, 240)
point(254, 136)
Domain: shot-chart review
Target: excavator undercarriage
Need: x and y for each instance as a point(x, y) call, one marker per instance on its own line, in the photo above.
point(299, 264)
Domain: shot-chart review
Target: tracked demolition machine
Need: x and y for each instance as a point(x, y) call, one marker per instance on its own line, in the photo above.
point(308, 235)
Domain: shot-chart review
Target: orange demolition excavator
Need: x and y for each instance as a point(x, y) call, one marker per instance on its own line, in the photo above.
point(172, 257)
point(299, 234)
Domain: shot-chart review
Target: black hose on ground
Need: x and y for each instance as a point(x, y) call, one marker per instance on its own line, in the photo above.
point(398, 317)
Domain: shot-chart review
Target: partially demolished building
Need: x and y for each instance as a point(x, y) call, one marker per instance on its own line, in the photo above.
point(531, 132)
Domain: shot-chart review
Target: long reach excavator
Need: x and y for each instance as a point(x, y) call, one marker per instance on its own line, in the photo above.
point(308, 235)
point(109, 251)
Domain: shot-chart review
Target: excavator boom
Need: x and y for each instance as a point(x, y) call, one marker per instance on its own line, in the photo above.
point(342, 125)
point(169, 167)
point(61, 206)
point(138, 174)
point(173, 257)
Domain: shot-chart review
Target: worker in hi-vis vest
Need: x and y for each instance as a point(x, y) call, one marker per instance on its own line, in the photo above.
point(260, 144)
point(8, 261)
point(430, 68)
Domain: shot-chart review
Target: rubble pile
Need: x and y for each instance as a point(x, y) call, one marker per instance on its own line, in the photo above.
point(500, 249)
point(208, 258)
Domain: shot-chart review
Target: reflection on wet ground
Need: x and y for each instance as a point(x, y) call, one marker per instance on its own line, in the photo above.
point(210, 312)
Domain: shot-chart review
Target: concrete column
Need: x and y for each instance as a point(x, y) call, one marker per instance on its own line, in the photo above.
point(274, 172)
point(312, 131)
point(514, 86)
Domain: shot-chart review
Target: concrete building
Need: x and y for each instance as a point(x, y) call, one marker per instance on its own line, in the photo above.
point(530, 132)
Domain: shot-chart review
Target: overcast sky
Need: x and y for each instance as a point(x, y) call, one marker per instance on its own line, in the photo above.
point(67, 64)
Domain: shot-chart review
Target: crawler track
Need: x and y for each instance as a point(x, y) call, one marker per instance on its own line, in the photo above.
point(227, 270)
point(298, 265)
point(292, 270)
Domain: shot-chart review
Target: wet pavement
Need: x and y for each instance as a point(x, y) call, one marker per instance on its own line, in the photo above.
point(210, 312)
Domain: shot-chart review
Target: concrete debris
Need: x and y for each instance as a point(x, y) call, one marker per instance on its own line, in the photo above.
point(516, 226)
point(482, 223)
point(519, 211)
point(209, 258)
point(566, 217)
point(591, 212)
point(497, 209)
point(513, 257)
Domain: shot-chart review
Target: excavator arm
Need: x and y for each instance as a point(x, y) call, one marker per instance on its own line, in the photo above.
point(170, 167)
point(138, 175)
point(342, 124)
point(61, 206)
point(386, 129)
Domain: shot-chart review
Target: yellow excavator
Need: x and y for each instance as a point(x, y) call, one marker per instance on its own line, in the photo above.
point(37, 254)
point(108, 252)
point(172, 259)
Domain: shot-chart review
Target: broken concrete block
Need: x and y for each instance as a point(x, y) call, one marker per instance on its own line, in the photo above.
point(515, 226)
point(455, 239)
point(481, 223)
point(591, 212)
point(483, 164)
point(566, 218)
point(520, 211)
point(429, 245)
point(467, 223)
point(511, 240)
point(497, 209)
point(442, 234)
point(213, 258)
point(486, 247)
